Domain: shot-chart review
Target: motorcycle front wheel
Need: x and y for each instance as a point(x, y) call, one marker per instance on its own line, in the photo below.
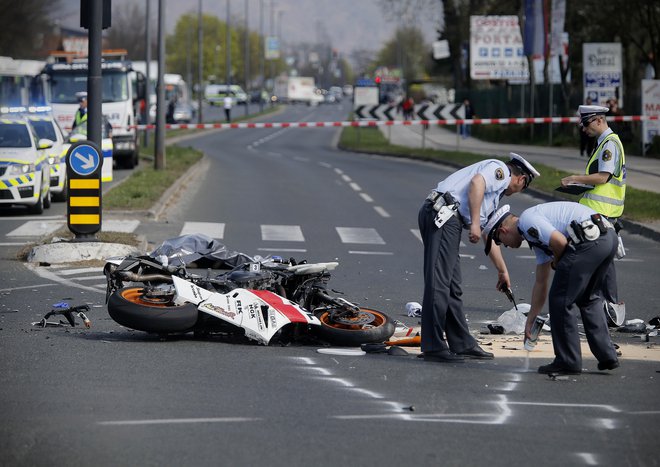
point(131, 308)
point(352, 331)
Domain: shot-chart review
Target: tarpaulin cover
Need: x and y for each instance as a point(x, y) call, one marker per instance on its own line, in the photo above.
point(205, 252)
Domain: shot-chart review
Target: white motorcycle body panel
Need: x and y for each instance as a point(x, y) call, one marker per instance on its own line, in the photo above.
point(259, 312)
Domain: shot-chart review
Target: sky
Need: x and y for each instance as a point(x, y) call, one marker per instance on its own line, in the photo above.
point(349, 24)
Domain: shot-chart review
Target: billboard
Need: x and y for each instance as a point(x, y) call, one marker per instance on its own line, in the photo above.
point(650, 107)
point(602, 71)
point(496, 48)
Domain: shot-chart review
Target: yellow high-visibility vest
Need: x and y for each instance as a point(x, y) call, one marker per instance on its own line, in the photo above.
point(608, 198)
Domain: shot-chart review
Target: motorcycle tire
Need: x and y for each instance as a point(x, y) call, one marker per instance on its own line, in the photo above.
point(380, 330)
point(127, 307)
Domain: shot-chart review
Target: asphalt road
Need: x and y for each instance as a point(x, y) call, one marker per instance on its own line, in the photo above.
point(110, 396)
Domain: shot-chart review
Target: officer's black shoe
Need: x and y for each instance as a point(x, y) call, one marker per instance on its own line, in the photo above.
point(444, 356)
point(557, 369)
point(476, 352)
point(608, 365)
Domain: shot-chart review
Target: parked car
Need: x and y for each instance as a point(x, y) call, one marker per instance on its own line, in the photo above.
point(46, 127)
point(24, 168)
point(215, 94)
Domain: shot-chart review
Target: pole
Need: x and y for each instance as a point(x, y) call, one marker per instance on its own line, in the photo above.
point(94, 79)
point(261, 54)
point(200, 87)
point(247, 60)
point(159, 160)
point(228, 47)
point(147, 59)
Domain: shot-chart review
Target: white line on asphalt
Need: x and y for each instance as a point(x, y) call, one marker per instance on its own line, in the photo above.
point(12, 289)
point(359, 235)
point(31, 218)
point(355, 186)
point(282, 233)
point(609, 408)
point(14, 244)
point(46, 274)
point(169, 421)
point(607, 423)
point(90, 278)
point(359, 252)
point(212, 229)
point(71, 272)
point(338, 171)
point(366, 392)
point(381, 211)
point(416, 233)
point(288, 250)
point(366, 197)
point(587, 457)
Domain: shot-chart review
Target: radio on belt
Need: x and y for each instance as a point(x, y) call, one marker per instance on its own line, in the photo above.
point(447, 206)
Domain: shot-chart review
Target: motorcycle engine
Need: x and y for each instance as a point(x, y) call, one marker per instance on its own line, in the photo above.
point(249, 279)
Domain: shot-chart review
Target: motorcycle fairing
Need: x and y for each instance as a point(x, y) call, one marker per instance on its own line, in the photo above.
point(261, 314)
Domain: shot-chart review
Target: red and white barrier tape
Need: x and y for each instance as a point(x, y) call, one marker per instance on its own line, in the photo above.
point(376, 123)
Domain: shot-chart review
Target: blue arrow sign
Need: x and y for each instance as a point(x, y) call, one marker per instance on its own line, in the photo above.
point(84, 160)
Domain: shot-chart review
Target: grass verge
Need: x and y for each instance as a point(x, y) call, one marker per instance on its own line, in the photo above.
point(641, 205)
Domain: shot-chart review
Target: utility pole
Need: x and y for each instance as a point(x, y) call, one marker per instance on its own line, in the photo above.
point(147, 59)
point(262, 70)
point(247, 60)
point(228, 47)
point(159, 160)
point(200, 79)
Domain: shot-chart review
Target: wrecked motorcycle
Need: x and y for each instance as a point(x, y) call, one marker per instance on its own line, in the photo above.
point(266, 300)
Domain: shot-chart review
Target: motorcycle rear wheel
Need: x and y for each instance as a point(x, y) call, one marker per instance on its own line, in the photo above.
point(128, 307)
point(380, 329)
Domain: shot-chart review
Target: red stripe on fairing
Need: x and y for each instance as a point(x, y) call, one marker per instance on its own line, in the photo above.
point(281, 305)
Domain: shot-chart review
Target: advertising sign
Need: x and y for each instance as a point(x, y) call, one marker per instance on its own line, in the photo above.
point(602, 71)
point(496, 48)
point(650, 107)
point(272, 48)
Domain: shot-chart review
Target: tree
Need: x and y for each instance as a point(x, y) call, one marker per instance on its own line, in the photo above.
point(23, 25)
point(128, 31)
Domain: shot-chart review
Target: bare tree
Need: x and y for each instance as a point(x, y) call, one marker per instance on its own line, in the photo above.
point(128, 30)
point(22, 26)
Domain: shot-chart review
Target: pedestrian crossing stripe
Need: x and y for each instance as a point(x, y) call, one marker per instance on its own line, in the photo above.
point(210, 229)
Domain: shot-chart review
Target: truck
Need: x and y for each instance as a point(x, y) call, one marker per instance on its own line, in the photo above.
point(176, 89)
point(65, 75)
point(17, 86)
point(295, 89)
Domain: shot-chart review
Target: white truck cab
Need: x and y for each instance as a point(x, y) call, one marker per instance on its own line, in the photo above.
point(123, 88)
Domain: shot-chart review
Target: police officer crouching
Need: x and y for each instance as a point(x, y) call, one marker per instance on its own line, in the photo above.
point(580, 245)
point(464, 200)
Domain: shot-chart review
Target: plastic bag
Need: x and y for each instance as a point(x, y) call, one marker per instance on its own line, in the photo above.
point(513, 321)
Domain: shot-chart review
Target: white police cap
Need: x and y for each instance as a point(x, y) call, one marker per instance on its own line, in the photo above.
point(82, 96)
point(493, 223)
point(517, 159)
point(587, 111)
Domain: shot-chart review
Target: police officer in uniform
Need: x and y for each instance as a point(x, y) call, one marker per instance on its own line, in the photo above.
point(81, 113)
point(580, 245)
point(606, 171)
point(464, 200)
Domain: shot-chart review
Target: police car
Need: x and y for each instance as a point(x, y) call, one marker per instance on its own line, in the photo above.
point(24, 168)
point(46, 127)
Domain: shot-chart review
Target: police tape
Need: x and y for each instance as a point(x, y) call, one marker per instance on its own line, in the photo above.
point(377, 123)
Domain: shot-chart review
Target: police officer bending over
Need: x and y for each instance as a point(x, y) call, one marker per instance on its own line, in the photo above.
point(464, 200)
point(580, 245)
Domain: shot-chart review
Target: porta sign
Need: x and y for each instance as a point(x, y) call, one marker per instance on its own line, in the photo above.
point(496, 48)
point(83, 170)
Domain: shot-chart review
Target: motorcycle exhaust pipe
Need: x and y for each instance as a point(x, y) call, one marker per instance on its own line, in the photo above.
point(134, 277)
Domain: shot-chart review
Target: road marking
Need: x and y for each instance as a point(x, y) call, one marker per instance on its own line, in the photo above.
point(282, 233)
point(346, 178)
point(46, 274)
point(355, 186)
point(120, 225)
point(210, 229)
point(288, 250)
point(36, 228)
point(358, 252)
point(14, 244)
point(171, 421)
point(381, 211)
point(71, 272)
point(366, 197)
point(587, 457)
point(359, 235)
point(417, 234)
point(38, 286)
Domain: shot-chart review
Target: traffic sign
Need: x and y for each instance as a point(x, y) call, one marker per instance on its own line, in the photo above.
point(84, 159)
point(83, 170)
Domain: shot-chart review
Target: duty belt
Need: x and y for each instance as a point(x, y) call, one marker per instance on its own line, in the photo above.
point(439, 200)
point(588, 230)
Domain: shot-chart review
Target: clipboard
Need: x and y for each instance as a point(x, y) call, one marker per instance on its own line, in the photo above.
point(574, 188)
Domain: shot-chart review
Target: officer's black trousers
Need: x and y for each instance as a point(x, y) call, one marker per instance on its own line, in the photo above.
point(442, 307)
point(576, 287)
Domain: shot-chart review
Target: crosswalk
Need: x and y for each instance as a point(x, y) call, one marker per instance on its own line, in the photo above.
point(30, 230)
